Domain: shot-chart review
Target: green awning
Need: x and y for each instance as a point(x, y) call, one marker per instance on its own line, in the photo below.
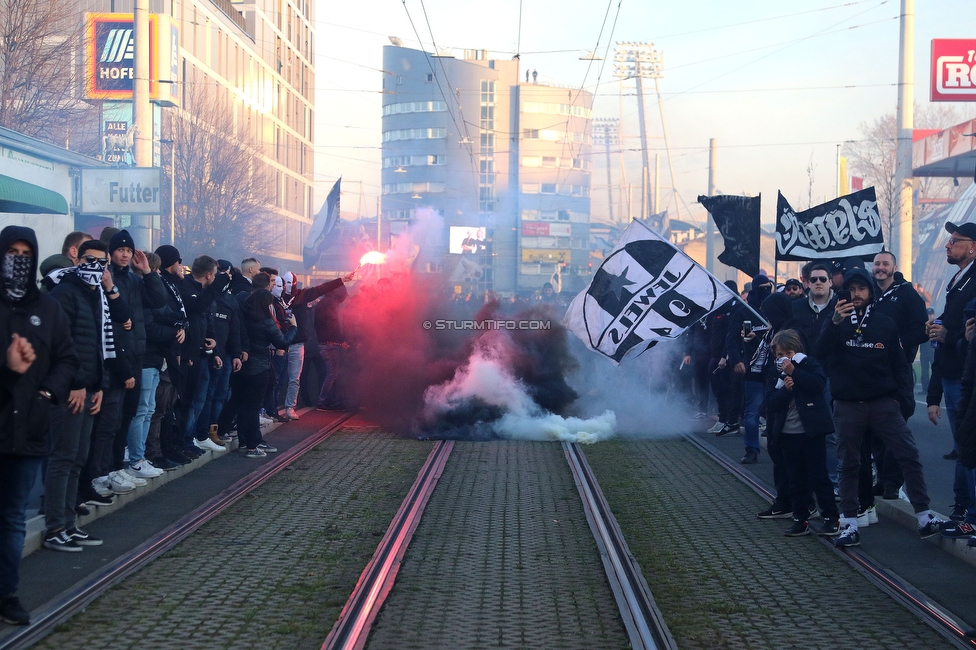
point(19, 196)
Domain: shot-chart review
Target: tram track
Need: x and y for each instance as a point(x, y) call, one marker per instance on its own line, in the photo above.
point(78, 597)
point(889, 582)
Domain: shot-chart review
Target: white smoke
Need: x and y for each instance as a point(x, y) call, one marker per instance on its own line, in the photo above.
point(486, 377)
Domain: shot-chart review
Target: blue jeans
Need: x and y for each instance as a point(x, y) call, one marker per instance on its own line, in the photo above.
point(217, 391)
point(139, 427)
point(964, 481)
point(296, 359)
point(328, 397)
point(199, 400)
point(750, 415)
point(17, 476)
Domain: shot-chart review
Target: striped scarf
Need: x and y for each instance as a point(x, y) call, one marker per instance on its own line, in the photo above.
point(93, 278)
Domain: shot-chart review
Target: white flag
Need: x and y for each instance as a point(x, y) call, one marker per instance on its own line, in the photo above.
point(644, 291)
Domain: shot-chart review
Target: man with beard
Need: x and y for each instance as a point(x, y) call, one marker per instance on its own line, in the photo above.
point(950, 351)
point(870, 382)
point(898, 300)
point(34, 378)
point(748, 357)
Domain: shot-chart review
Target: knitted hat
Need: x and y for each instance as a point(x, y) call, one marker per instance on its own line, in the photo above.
point(121, 239)
point(168, 256)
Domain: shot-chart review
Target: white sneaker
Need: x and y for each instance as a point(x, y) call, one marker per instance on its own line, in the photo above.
point(134, 480)
point(143, 469)
point(208, 444)
point(718, 426)
point(873, 515)
point(102, 486)
point(119, 484)
point(265, 420)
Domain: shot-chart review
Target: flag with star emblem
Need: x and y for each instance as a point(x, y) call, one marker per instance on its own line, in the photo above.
point(644, 291)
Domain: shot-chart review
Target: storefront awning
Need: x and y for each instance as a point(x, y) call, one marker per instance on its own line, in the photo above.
point(21, 197)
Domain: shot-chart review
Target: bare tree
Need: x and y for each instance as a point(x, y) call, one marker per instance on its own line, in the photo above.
point(40, 86)
point(224, 190)
point(873, 158)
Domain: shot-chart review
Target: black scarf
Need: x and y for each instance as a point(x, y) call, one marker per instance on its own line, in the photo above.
point(16, 274)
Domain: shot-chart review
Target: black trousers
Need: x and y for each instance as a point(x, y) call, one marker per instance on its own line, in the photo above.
point(248, 394)
point(806, 463)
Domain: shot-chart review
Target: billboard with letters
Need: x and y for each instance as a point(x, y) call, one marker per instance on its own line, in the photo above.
point(110, 57)
point(953, 70)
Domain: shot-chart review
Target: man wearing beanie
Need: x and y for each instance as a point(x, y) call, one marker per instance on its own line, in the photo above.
point(39, 366)
point(871, 384)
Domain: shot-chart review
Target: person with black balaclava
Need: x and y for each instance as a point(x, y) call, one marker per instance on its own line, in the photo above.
point(748, 358)
point(34, 379)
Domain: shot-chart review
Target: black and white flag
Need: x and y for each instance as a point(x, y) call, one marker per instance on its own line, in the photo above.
point(644, 291)
point(737, 218)
point(848, 226)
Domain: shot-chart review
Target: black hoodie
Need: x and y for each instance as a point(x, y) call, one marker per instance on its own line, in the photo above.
point(37, 317)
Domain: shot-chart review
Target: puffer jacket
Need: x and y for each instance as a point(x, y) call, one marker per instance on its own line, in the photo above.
point(141, 293)
point(262, 335)
point(24, 412)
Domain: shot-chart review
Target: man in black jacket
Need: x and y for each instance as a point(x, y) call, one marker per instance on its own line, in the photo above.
point(726, 385)
point(39, 366)
point(871, 384)
point(815, 309)
point(95, 312)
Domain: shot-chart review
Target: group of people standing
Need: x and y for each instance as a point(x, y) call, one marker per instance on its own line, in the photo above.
point(123, 364)
point(827, 360)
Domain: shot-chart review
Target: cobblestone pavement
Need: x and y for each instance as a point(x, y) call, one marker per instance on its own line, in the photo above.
point(503, 557)
point(725, 579)
point(275, 569)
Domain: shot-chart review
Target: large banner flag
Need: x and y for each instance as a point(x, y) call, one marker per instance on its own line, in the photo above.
point(737, 218)
point(848, 226)
point(319, 235)
point(644, 291)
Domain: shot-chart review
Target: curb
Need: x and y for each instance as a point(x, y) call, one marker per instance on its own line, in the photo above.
point(35, 525)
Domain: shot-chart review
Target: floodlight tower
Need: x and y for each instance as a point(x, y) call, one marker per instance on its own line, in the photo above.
point(638, 61)
point(606, 131)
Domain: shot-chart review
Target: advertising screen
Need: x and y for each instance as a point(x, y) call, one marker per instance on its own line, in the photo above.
point(467, 240)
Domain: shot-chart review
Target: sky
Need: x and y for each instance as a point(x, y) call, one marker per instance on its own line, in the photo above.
point(779, 85)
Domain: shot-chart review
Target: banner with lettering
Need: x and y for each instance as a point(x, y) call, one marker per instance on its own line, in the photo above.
point(848, 226)
point(644, 291)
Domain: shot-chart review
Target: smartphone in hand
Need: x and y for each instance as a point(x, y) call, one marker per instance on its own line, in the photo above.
point(844, 294)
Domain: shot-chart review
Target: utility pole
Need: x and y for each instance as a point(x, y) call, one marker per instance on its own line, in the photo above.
point(903, 163)
point(709, 222)
point(657, 183)
point(142, 115)
point(605, 132)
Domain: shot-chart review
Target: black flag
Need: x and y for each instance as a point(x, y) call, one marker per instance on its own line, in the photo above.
point(737, 218)
point(848, 226)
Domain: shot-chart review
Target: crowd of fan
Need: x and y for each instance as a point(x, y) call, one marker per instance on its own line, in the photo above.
point(828, 360)
point(123, 364)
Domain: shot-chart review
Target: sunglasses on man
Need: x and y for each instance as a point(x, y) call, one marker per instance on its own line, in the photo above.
point(91, 259)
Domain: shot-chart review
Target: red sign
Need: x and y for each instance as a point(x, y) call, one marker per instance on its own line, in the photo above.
point(535, 229)
point(953, 70)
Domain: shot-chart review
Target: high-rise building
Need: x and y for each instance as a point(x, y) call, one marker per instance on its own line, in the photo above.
point(468, 139)
point(256, 56)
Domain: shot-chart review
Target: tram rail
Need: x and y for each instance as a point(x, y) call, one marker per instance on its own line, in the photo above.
point(954, 630)
point(78, 597)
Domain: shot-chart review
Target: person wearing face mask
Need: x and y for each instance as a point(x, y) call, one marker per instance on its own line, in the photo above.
point(95, 309)
point(35, 377)
point(279, 361)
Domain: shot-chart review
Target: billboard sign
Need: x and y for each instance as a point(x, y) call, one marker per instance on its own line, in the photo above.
point(953, 70)
point(110, 57)
point(467, 240)
point(545, 255)
point(108, 190)
point(546, 229)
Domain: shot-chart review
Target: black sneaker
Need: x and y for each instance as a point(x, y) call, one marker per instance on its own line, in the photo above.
point(971, 543)
point(848, 537)
point(775, 512)
point(82, 510)
point(96, 499)
point(58, 540)
point(266, 448)
point(728, 429)
point(164, 464)
point(798, 529)
point(178, 457)
point(11, 611)
point(955, 530)
point(82, 538)
point(751, 458)
point(958, 513)
point(830, 528)
point(932, 528)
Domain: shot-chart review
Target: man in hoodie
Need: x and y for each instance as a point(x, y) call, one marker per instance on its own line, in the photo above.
point(748, 356)
point(34, 379)
point(871, 384)
point(898, 300)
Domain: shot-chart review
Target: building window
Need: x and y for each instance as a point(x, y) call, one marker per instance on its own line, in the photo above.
point(548, 188)
point(487, 91)
point(563, 215)
point(530, 188)
point(414, 134)
point(532, 161)
point(530, 134)
point(414, 107)
point(430, 76)
point(549, 161)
